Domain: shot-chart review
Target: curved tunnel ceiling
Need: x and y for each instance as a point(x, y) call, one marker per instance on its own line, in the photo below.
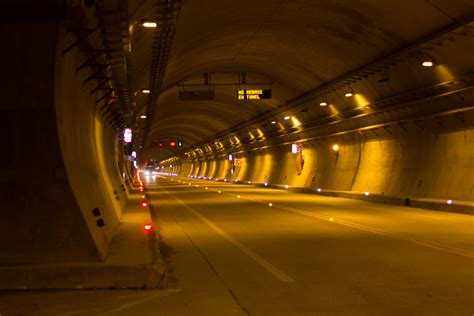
point(296, 45)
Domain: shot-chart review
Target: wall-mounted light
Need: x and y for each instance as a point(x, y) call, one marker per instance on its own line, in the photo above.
point(143, 116)
point(427, 63)
point(231, 157)
point(127, 135)
point(287, 117)
point(335, 147)
point(146, 91)
point(274, 122)
point(149, 24)
point(349, 94)
point(323, 104)
point(294, 148)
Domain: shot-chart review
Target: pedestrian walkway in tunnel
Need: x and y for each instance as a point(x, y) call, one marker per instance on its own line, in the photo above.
point(242, 250)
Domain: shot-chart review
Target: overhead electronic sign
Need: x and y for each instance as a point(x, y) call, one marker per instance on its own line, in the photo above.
point(254, 94)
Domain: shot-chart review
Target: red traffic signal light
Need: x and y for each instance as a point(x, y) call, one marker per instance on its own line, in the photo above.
point(161, 144)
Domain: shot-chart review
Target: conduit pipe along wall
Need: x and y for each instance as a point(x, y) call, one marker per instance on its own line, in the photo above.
point(412, 163)
point(397, 135)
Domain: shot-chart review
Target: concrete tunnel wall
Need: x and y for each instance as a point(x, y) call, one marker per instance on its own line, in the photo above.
point(407, 163)
point(88, 146)
point(56, 167)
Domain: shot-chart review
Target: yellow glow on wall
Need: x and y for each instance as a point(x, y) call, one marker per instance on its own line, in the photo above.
point(295, 121)
point(443, 73)
point(224, 167)
point(360, 100)
point(204, 168)
point(243, 169)
point(212, 168)
point(99, 141)
point(234, 140)
point(264, 165)
point(333, 109)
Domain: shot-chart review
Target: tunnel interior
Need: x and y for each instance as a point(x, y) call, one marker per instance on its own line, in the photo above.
point(364, 99)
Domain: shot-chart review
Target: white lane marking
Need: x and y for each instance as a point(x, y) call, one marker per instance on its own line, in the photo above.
point(439, 218)
point(264, 263)
point(430, 244)
point(434, 245)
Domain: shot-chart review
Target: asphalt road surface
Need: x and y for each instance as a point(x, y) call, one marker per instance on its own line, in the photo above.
point(241, 250)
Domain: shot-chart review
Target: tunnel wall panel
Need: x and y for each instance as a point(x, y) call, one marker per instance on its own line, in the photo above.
point(41, 218)
point(78, 124)
point(186, 169)
point(406, 163)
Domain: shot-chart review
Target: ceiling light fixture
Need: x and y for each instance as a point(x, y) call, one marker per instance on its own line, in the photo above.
point(149, 24)
point(287, 117)
point(349, 94)
point(428, 63)
point(323, 104)
point(146, 91)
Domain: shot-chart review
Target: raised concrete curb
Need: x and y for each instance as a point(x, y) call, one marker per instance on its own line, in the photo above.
point(456, 206)
point(80, 276)
point(134, 262)
point(463, 207)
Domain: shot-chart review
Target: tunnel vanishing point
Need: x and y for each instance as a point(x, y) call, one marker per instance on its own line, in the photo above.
point(365, 99)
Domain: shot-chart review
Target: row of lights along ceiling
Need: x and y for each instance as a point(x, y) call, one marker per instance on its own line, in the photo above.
point(428, 62)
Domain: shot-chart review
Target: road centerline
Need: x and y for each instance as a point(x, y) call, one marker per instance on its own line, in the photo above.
point(279, 274)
